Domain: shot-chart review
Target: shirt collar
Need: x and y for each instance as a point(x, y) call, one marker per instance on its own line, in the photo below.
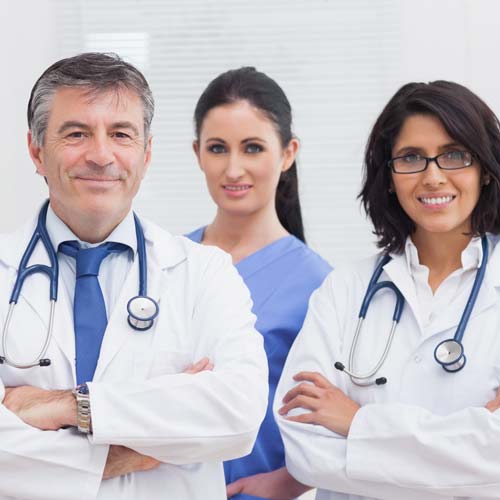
point(123, 233)
point(471, 257)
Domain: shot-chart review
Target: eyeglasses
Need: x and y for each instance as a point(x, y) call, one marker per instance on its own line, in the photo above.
point(413, 163)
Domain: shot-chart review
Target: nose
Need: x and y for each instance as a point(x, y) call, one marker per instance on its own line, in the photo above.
point(99, 151)
point(234, 169)
point(433, 175)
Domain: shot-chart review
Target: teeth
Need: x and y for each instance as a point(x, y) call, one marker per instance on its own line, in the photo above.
point(441, 200)
point(236, 188)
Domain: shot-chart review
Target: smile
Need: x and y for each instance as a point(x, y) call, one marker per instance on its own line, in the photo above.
point(241, 187)
point(436, 201)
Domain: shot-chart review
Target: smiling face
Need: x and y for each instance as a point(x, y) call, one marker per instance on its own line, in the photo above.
point(94, 154)
point(241, 155)
point(436, 200)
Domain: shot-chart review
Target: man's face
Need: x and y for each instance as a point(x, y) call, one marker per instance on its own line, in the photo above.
point(94, 154)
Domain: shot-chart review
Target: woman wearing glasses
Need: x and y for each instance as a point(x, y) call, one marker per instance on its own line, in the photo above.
point(245, 148)
point(409, 412)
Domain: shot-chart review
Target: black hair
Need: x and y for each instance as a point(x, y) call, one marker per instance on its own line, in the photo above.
point(467, 120)
point(263, 93)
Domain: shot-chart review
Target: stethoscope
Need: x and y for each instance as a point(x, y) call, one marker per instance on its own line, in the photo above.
point(141, 309)
point(449, 353)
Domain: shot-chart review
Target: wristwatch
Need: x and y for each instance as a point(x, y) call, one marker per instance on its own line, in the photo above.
point(84, 416)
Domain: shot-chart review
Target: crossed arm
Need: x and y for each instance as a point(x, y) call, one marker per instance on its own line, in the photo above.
point(51, 410)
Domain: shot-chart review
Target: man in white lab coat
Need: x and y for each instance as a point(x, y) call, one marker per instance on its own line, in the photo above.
point(118, 413)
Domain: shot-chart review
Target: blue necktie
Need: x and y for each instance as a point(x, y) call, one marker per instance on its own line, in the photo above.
point(89, 308)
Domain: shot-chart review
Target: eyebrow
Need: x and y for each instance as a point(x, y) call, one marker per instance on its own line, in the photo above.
point(405, 149)
point(76, 124)
point(248, 139)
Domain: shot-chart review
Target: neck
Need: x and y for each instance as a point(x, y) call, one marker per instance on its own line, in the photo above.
point(441, 253)
point(91, 228)
point(242, 235)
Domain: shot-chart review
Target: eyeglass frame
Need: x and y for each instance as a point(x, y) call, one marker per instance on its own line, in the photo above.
point(428, 159)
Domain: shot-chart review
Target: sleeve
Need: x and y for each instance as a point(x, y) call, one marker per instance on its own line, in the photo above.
point(62, 465)
point(392, 449)
point(213, 415)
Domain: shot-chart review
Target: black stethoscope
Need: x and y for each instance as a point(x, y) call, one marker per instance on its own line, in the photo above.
point(449, 353)
point(141, 309)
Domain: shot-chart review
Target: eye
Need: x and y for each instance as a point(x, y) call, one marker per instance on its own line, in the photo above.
point(411, 158)
point(216, 148)
point(77, 134)
point(121, 135)
point(455, 155)
point(253, 148)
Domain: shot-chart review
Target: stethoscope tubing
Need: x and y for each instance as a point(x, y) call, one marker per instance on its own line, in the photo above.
point(138, 323)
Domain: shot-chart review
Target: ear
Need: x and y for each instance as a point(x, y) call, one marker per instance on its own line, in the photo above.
point(196, 149)
point(147, 155)
point(289, 154)
point(36, 153)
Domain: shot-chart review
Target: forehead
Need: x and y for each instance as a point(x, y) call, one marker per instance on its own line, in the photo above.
point(423, 130)
point(91, 108)
point(237, 119)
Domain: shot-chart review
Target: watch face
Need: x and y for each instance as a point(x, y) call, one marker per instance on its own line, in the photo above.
point(83, 389)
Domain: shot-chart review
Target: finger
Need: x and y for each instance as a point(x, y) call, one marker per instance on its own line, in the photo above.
point(234, 488)
point(305, 418)
point(198, 366)
point(314, 377)
point(304, 388)
point(493, 405)
point(305, 402)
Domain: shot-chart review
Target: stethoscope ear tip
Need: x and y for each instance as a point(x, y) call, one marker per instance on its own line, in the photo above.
point(2, 359)
point(44, 362)
point(339, 366)
point(381, 381)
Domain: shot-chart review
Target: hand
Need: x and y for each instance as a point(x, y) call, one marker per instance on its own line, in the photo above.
point(40, 408)
point(494, 404)
point(275, 485)
point(122, 460)
point(328, 405)
point(202, 365)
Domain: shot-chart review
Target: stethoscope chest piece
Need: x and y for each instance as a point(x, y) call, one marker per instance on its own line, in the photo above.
point(142, 311)
point(450, 355)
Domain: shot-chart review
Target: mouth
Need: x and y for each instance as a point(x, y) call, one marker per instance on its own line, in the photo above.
point(436, 201)
point(236, 187)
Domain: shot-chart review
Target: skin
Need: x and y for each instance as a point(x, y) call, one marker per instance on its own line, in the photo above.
point(440, 237)
point(94, 157)
point(239, 146)
point(53, 410)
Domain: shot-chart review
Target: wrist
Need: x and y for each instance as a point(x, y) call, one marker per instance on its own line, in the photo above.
point(83, 416)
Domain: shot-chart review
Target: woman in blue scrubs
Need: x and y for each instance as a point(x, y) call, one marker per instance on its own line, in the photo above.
point(245, 148)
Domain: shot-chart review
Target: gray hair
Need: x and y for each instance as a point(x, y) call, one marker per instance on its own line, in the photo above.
point(96, 72)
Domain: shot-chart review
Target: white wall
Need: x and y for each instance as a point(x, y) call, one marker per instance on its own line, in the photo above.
point(27, 46)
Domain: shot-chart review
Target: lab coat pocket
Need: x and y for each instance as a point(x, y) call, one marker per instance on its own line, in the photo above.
point(163, 362)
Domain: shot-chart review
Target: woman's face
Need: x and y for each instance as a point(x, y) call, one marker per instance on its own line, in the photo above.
point(240, 153)
point(436, 200)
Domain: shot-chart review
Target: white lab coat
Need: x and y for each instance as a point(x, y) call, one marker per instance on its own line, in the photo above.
point(425, 434)
point(139, 397)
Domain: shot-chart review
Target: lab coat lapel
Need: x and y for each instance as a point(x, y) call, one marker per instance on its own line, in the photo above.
point(396, 270)
point(487, 296)
point(163, 251)
point(35, 292)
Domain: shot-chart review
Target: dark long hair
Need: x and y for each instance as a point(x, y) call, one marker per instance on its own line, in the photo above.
point(467, 120)
point(262, 92)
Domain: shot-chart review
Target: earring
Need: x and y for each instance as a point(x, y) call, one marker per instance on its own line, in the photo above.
point(390, 190)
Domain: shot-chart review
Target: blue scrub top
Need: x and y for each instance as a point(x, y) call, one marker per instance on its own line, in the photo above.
point(281, 277)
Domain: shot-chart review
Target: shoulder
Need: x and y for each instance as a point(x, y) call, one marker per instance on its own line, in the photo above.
point(171, 250)
point(349, 278)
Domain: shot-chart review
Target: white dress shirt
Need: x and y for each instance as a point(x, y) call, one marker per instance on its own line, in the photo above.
point(114, 268)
